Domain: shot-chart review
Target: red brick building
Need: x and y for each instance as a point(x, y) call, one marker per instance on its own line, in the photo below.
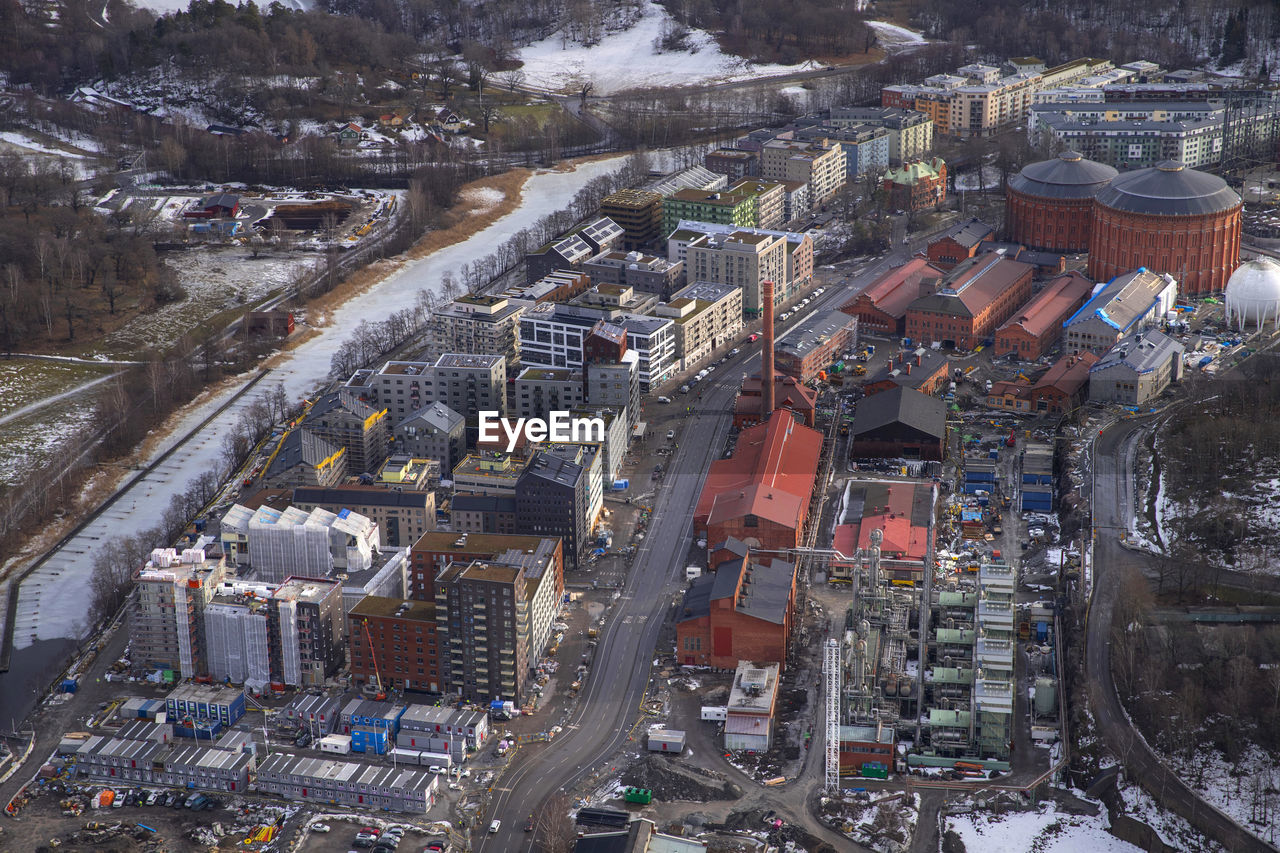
point(1049, 205)
point(787, 394)
point(903, 513)
point(923, 370)
point(962, 242)
point(760, 495)
point(918, 185)
point(971, 302)
point(1038, 325)
point(1168, 219)
point(405, 651)
point(881, 307)
point(861, 745)
point(1064, 386)
point(739, 612)
point(437, 549)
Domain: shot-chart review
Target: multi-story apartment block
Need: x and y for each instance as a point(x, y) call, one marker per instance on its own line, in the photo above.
point(733, 163)
point(491, 473)
point(821, 166)
point(396, 640)
point(553, 335)
point(721, 206)
point(433, 432)
point(742, 259)
point(770, 201)
point(643, 273)
point(984, 108)
point(435, 551)
point(542, 390)
point(1140, 134)
point(796, 200)
point(466, 384)
point(477, 325)
point(470, 513)
point(706, 316)
point(309, 630)
point(798, 262)
point(305, 459)
point(166, 624)
point(910, 131)
point(483, 610)
point(553, 498)
point(638, 212)
point(345, 420)
point(615, 385)
point(865, 146)
point(558, 286)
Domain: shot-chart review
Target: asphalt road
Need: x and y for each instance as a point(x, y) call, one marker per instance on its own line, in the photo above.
point(1112, 506)
point(620, 675)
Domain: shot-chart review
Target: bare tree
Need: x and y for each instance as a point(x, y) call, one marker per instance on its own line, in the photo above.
point(553, 829)
point(512, 80)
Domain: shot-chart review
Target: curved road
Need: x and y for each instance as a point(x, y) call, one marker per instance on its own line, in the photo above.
point(1112, 508)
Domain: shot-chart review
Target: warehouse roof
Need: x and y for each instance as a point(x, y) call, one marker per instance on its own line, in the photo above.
point(1048, 307)
point(900, 405)
point(770, 475)
point(973, 285)
point(1124, 300)
point(1142, 352)
point(892, 291)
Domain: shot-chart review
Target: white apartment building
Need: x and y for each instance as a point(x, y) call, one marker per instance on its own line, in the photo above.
point(706, 316)
point(551, 335)
point(821, 166)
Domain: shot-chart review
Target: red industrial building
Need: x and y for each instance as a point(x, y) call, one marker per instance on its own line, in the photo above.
point(760, 495)
point(788, 394)
point(1064, 386)
point(1049, 205)
point(1168, 219)
point(866, 748)
point(740, 612)
point(1038, 325)
point(881, 307)
point(902, 511)
point(924, 370)
point(960, 243)
point(970, 302)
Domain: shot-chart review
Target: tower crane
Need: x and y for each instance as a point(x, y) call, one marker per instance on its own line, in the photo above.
point(382, 694)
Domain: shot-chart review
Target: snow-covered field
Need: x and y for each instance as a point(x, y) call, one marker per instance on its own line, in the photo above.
point(81, 165)
point(1044, 831)
point(627, 59)
point(44, 612)
point(1173, 830)
point(892, 35)
point(216, 279)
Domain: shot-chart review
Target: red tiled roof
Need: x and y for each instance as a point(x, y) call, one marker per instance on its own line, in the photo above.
point(1052, 305)
point(770, 475)
point(893, 516)
point(897, 288)
point(1068, 374)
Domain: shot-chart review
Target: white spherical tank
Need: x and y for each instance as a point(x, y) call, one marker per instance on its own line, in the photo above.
point(1253, 294)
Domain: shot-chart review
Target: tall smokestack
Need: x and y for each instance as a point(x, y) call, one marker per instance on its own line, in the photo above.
point(766, 353)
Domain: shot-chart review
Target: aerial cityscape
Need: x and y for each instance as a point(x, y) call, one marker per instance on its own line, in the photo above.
point(630, 426)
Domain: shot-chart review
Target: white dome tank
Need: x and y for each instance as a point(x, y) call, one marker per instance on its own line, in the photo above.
point(1253, 294)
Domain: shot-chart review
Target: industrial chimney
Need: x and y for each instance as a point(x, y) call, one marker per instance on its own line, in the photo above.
point(766, 353)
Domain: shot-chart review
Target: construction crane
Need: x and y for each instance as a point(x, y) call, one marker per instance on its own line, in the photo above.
point(381, 694)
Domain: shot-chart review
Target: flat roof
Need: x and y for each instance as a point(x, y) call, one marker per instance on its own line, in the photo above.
point(378, 606)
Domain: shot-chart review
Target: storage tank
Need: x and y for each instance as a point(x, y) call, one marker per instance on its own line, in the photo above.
point(1046, 704)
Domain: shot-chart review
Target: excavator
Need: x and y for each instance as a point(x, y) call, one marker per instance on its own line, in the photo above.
point(381, 695)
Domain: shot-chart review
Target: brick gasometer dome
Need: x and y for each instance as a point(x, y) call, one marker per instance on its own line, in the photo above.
point(1049, 205)
point(1169, 219)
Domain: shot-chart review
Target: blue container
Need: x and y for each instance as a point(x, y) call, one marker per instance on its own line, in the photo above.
point(70, 685)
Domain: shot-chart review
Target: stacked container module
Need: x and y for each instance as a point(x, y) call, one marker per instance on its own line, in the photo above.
point(1037, 478)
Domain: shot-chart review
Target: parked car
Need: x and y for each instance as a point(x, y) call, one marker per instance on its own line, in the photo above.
point(754, 337)
point(320, 827)
point(664, 400)
point(671, 434)
point(734, 351)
